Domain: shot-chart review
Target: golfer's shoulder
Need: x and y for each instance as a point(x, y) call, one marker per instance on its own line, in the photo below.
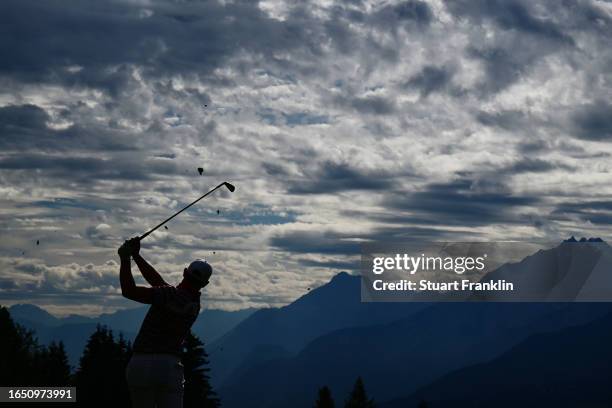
point(163, 293)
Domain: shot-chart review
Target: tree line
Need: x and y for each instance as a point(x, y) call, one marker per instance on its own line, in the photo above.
point(358, 398)
point(100, 377)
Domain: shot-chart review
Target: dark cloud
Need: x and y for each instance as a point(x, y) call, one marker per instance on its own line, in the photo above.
point(593, 122)
point(507, 119)
point(326, 242)
point(90, 169)
point(100, 40)
point(347, 20)
point(338, 28)
point(596, 211)
point(394, 233)
point(431, 79)
point(273, 118)
point(336, 243)
point(509, 15)
point(503, 67)
point(274, 169)
point(25, 127)
point(19, 118)
point(568, 148)
point(333, 178)
point(524, 37)
point(464, 202)
point(396, 15)
point(374, 105)
point(89, 44)
point(528, 165)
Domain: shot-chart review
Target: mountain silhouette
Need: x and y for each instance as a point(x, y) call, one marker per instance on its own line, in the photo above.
point(565, 368)
point(288, 329)
point(396, 355)
point(399, 357)
point(573, 270)
point(33, 315)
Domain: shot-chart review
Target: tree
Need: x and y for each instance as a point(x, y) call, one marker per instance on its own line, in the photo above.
point(26, 363)
point(50, 366)
point(100, 378)
point(16, 347)
point(198, 391)
point(325, 399)
point(358, 397)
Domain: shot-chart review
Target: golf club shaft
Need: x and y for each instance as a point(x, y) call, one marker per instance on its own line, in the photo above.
point(168, 219)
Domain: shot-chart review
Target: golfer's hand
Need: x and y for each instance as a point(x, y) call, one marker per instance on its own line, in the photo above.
point(134, 246)
point(124, 250)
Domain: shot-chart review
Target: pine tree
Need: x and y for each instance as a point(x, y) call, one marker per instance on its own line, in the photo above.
point(358, 397)
point(325, 399)
point(24, 362)
point(16, 348)
point(59, 368)
point(198, 391)
point(100, 379)
point(50, 366)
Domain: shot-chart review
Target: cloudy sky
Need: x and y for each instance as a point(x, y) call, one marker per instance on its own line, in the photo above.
point(338, 121)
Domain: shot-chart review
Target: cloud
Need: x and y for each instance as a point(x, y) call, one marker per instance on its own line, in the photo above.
point(463, 202)
point(404, 12)
point(528, 165)
point(163, 37)
point(339, 123)
point(509, 15)
point(371, 105)
point(332, 178)
point(431, 79)
point(327, 242)
point(508, 120)
point(593, 122)
point(596, 212)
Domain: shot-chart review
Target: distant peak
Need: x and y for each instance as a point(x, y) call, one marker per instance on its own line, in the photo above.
point(341, 276)
point(583, 239)
point(26, 306)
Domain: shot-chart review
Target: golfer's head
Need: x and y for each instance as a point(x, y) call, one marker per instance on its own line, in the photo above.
point(198, 273)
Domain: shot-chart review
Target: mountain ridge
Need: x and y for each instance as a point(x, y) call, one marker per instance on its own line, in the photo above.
point(74, 330)
point(564, 368)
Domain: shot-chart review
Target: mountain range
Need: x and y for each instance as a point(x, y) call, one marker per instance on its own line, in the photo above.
point(74, 330)
point(397, 348)
point(449, 353)
point(573, 270)
point(566, 368)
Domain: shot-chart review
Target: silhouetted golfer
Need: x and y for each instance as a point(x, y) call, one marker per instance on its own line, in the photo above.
point(155, 372)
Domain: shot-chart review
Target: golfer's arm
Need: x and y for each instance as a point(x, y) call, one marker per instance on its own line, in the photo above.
point(125, 277)
point(128, 286)
point(148, 272)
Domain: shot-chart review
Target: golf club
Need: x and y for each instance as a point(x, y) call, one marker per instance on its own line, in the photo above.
point(229, 186)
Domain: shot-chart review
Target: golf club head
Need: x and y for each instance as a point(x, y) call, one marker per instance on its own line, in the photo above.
point(230, 187)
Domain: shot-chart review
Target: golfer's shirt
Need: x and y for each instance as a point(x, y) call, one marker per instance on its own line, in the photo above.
point(168, 321)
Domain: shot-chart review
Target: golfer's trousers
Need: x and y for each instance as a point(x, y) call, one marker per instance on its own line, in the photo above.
point(155, 380)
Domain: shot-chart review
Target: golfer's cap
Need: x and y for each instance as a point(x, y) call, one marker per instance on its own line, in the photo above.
point(200, 270)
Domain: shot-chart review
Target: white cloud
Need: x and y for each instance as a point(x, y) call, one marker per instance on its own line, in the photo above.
point(315, 98)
